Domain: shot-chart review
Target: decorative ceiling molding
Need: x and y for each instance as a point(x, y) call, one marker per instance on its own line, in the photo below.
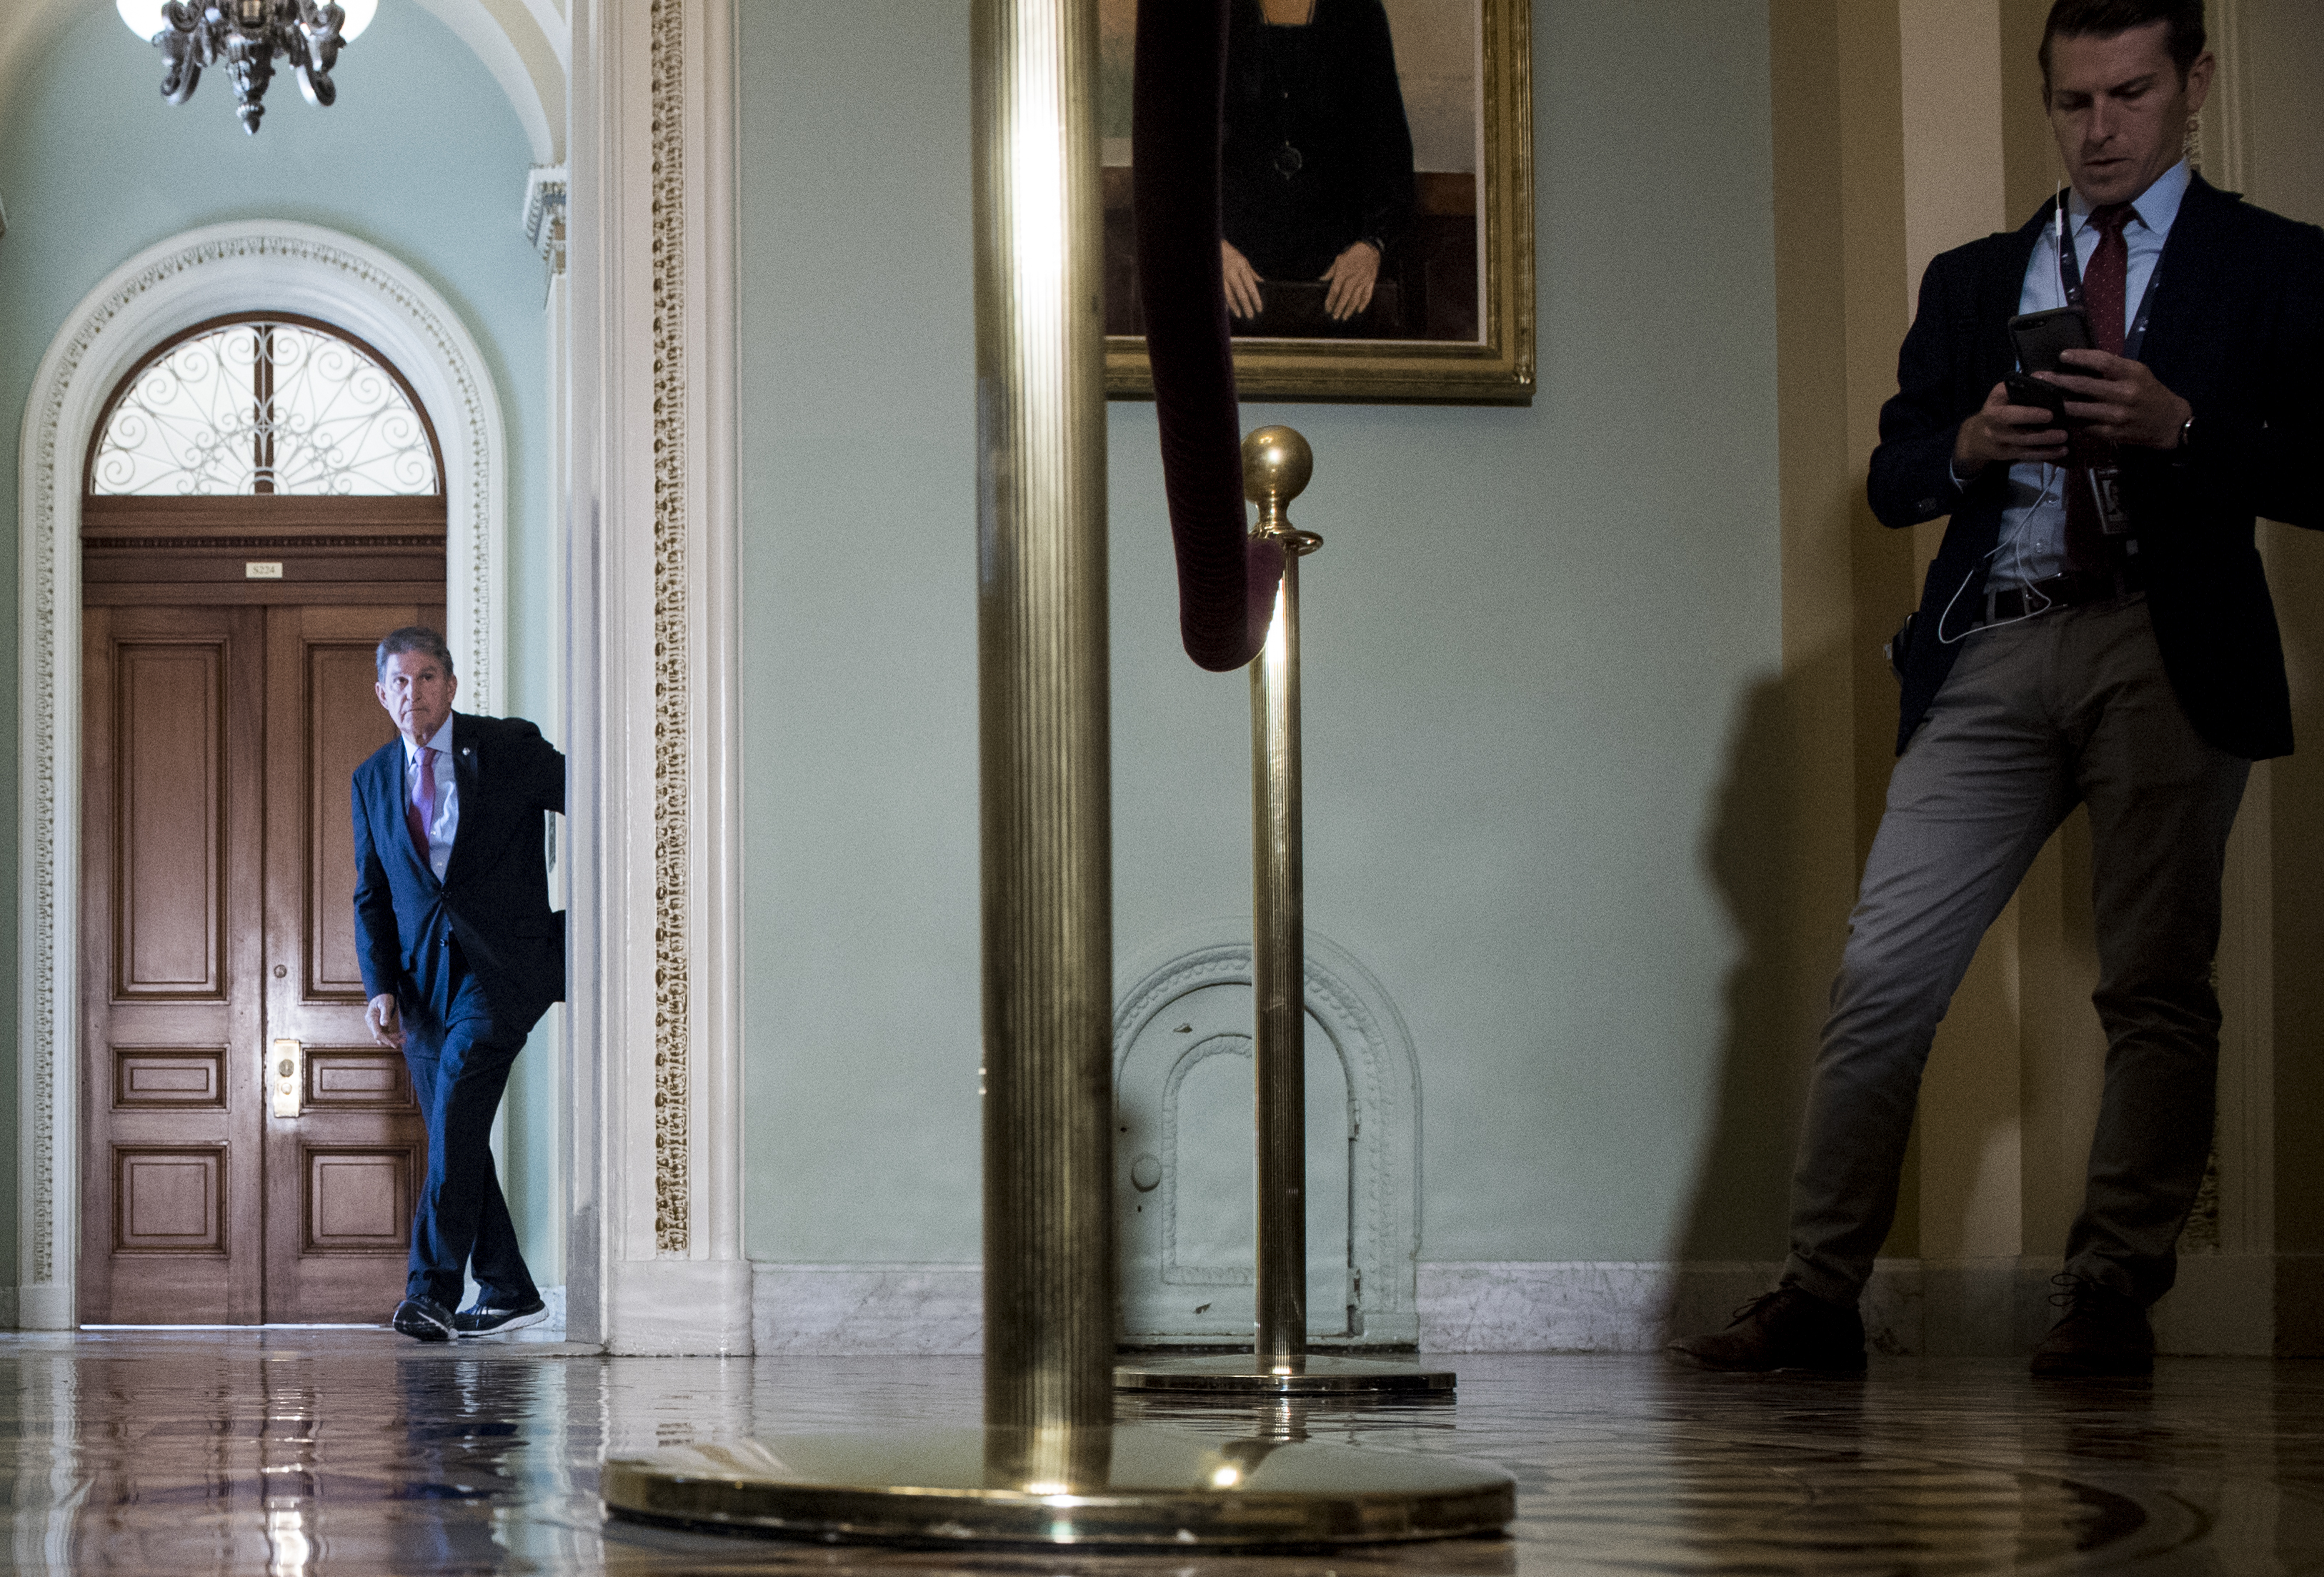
point(526, 48)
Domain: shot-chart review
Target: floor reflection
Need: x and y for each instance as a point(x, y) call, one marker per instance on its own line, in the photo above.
point(306, 1451)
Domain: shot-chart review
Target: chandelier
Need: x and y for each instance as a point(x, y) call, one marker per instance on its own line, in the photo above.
point(245, 38)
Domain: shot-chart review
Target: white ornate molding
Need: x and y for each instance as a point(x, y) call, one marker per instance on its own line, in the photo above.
point(545, 214)
point(259, 265)
point(673, 719)
point(655, 1258)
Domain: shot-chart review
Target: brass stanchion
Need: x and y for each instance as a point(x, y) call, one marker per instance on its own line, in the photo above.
point(1049, 1466)
point(1276, 464)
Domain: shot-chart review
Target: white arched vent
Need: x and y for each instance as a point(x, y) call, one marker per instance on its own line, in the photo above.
point(1182, 1148)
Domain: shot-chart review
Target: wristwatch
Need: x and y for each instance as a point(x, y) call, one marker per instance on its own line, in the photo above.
point(2185, 431)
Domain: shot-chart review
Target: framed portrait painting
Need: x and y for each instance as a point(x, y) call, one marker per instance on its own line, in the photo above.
point(1376, 201)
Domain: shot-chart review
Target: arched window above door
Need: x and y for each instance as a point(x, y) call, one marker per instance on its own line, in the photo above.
point(264, 405)
point(275, 453)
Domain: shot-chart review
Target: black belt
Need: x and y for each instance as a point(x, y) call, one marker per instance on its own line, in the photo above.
point(2070, 590)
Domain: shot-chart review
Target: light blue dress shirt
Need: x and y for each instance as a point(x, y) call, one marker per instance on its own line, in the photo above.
point(2033, 522)
point(447, 825)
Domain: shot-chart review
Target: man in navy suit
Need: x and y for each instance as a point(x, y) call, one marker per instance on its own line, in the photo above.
point(2095, 630)
point(461, 955)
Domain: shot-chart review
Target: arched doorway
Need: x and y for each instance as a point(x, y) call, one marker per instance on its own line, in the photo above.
point(262, 498)
point(254, 266)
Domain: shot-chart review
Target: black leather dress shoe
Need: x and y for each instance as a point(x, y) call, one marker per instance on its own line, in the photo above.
point(2102, 1333)
point(1783, 1330)
point(423, 1319)
point(483, 1320)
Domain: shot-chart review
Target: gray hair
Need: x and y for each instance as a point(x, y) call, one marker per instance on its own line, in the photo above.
point(416, 638)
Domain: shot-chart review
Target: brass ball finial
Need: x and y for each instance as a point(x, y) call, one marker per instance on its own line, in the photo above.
point(1275, 465)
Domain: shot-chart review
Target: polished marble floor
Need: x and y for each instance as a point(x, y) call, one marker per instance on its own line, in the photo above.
point(289, 1453)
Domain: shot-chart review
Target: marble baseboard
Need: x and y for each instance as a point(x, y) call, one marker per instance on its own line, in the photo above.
point(839, 1310)
point(45, 1306)
point(2224, 1304)
point(678, 1308)
point(2256, 1305)
point(1584, 1305)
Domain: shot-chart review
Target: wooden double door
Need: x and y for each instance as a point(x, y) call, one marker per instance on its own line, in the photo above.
point(249, 1155)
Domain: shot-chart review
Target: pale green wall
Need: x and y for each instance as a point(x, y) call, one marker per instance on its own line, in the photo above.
point(421, 156)
point(1530, 638)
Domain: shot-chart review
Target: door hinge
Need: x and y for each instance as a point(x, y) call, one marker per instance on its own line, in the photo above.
point(287, 1074)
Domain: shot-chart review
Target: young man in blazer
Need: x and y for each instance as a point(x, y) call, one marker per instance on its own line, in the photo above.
point(461, 955)
point(2095, 630)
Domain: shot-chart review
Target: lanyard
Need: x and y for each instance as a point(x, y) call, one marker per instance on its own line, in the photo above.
point(2070, 280)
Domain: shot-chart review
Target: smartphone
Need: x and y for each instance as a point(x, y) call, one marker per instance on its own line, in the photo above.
point(2049, 397)
point(2041, 337)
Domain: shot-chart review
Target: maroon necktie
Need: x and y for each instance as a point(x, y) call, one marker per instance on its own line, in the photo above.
point(2103, 285)
point(420, 809)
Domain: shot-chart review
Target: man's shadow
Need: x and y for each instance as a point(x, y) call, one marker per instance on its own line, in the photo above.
point(1760, 850)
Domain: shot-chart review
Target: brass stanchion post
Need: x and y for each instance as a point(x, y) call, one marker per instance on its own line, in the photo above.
point(1279, 958)
point(1049, 1466)
point(1277, 464)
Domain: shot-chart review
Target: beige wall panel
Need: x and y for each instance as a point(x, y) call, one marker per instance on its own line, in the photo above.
point(1838, 165)
point(1952, 98)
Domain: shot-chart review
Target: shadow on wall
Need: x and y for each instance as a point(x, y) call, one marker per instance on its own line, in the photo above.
point(1757, 854)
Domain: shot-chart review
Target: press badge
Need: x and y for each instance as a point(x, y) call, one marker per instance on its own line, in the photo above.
point(2105, 493)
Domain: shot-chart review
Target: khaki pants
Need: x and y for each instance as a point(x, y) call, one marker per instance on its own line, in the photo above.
point(2070, 706)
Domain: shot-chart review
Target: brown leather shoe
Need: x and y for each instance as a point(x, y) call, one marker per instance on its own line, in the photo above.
point(2101, 1333)
point(1783, 1330)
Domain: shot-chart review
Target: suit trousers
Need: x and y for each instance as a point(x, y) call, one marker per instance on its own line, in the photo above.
point(459, 1056)
point(2071, 705)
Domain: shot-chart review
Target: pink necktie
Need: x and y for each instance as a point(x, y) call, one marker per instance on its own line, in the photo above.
point(419, 810)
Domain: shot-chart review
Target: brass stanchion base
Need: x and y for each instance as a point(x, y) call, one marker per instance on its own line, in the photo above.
point(1241, 1374)
point(1137, 1487)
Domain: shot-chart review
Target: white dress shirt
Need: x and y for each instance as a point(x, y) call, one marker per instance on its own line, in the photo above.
point(2033, 522)
point(447, 825)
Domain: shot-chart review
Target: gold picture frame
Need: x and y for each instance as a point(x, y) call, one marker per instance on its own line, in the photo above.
point(1494, 366)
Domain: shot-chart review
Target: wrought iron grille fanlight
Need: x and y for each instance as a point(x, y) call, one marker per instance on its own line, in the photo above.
point(265, 406)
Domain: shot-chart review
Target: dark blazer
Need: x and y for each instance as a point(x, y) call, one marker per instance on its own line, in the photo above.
point(1330, 89)
point(2237, 330)
point(494, 898)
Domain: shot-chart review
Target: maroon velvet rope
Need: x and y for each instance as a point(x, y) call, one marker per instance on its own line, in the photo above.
point(1226, 581)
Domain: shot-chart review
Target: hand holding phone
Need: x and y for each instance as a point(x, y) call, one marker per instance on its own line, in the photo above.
point(1989, 437)
point(2034, 392)
point(2042, 339)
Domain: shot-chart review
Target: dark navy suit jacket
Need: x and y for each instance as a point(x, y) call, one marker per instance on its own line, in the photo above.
point(2237, 330)
point(494, 898)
